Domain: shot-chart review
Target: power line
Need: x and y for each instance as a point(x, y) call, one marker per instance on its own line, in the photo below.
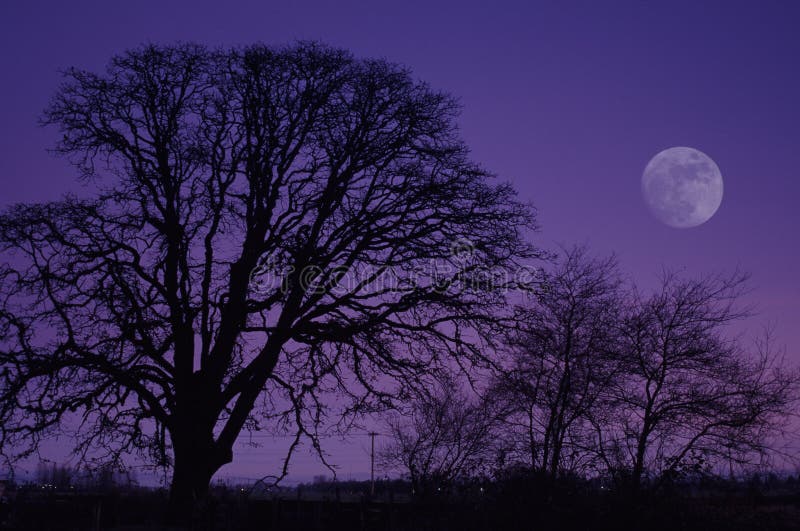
point(244, 437)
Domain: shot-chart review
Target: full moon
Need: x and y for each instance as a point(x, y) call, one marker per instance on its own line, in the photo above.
point(682, 187)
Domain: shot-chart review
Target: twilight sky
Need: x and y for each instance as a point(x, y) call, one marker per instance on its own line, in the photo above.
point(568, 100)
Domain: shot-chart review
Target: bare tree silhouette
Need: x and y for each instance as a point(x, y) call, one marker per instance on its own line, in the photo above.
point(446, 436)
point(606, 380)
point(563, 360)
point(263, 232)
point(691, 393)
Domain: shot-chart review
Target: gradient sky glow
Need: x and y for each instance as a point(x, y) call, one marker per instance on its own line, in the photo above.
point(568, 100)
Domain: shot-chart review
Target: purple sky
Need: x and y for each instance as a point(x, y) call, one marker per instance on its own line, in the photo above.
point(567, 100)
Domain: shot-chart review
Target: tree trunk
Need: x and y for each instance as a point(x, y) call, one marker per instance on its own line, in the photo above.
point(189, 490)
point(638, 464)
point(197, 459)
point(198, 456)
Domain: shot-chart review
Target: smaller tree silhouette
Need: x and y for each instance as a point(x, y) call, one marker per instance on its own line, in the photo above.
point(445, 438)
point(561, 362)
point(691, 393)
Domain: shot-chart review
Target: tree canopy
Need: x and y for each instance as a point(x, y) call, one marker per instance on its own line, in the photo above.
point(266, 224)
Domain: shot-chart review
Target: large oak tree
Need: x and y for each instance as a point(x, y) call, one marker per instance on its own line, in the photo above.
point(264, 225)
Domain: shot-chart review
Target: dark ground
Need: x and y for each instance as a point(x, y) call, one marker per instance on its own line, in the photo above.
point(516, 507)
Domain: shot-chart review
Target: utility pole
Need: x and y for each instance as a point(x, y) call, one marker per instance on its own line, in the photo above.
point(372, 435)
